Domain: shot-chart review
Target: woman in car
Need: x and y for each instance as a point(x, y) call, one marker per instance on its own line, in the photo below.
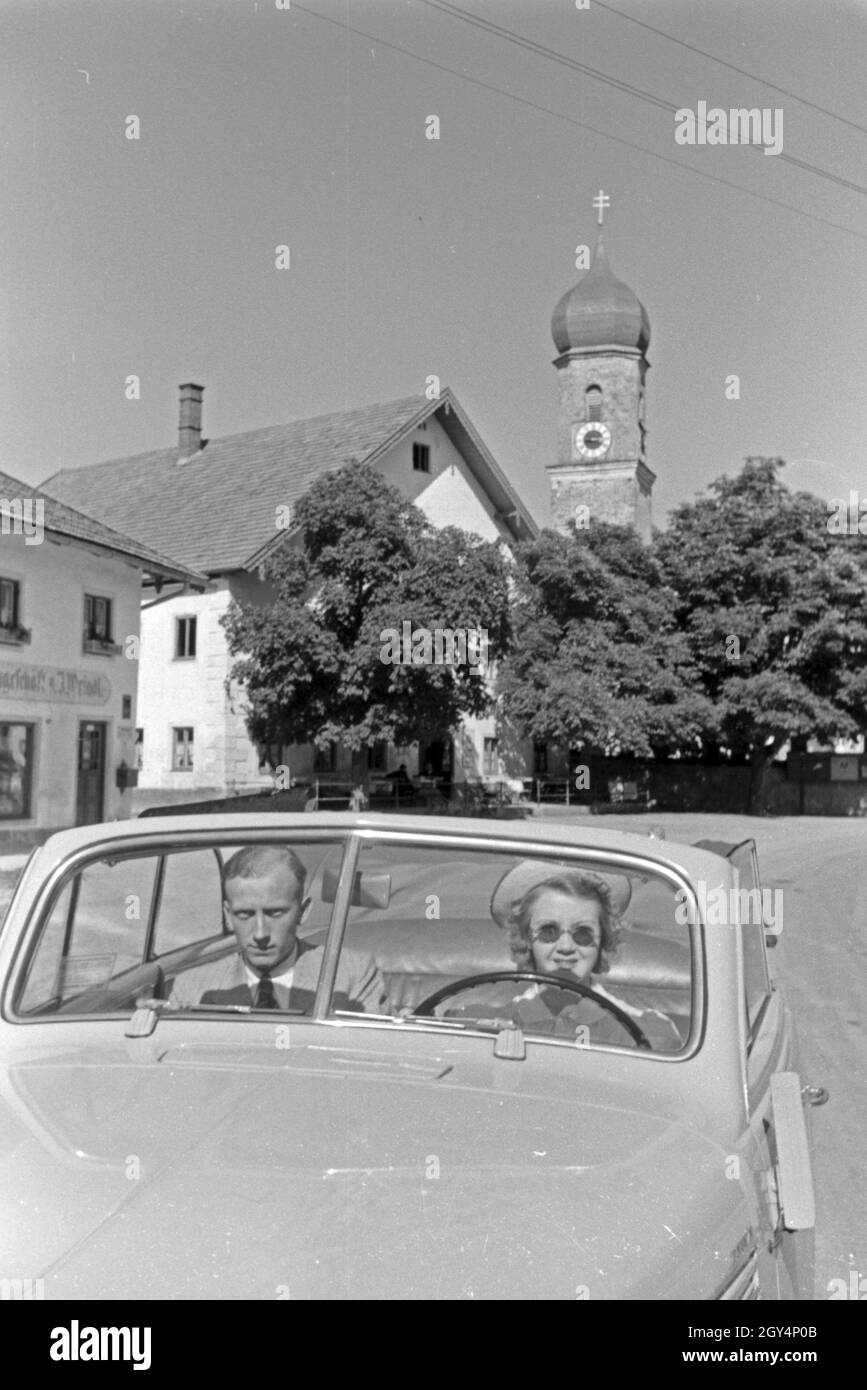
point(566, 924)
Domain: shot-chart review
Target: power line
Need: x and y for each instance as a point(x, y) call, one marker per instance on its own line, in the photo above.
point(582, 125)
point(529, 45)
point(733, 67)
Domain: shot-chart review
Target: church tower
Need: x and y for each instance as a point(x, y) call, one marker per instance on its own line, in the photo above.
point(601, 331)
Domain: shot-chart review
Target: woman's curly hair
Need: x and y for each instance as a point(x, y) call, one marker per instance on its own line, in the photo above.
point(577, 884)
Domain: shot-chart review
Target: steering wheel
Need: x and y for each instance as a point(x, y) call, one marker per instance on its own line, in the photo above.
point(426, 1007)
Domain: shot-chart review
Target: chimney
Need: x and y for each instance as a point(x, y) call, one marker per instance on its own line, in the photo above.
point(190, 423)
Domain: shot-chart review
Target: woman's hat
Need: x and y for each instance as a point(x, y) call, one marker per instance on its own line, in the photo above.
point(517, 882)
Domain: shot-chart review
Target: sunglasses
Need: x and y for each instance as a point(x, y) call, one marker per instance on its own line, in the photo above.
point(582, 936)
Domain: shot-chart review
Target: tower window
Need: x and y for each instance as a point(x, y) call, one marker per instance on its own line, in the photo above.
point(421, 458)
point(593, 399)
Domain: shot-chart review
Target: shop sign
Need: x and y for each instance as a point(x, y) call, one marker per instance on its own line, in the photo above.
point(54, 684)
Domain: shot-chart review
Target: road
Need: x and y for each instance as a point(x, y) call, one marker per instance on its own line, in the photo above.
point(821, 866)
point(820, 863)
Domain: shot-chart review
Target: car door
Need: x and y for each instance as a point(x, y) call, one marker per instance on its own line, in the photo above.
point(778, 1134)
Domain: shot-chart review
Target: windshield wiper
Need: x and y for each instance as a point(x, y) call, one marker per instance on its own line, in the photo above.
point(235, 1009)
point(147, 1013)
point(484, 1025)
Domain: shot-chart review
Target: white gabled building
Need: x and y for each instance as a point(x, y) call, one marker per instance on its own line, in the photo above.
point(216, 505)
point(70, 599)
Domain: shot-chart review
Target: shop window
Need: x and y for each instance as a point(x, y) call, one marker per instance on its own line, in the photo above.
point(16, 770)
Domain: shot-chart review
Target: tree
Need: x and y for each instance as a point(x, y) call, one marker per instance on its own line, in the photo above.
point(774, 610)
point(365, 561)
point(596, 660)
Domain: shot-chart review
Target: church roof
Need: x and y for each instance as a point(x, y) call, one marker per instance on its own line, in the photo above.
point(216, 510)
point(600, 311)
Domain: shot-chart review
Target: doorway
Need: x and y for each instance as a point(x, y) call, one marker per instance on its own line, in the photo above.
point(90, 791)
point(436, 761)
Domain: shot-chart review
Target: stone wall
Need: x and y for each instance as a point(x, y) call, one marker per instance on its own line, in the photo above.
point(690, 786)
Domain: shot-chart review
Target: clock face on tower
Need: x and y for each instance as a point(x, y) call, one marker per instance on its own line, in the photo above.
point(592, 440)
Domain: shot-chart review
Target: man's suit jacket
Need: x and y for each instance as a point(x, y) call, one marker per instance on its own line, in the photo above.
point(358, 986)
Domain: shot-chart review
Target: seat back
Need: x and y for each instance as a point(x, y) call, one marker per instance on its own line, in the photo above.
point(417, 958)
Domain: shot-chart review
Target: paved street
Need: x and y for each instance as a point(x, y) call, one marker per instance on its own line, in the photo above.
point(821, 865)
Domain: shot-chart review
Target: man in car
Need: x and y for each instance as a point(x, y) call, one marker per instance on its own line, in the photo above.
point(264, 905)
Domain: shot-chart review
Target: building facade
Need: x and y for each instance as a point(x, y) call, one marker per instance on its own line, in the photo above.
point(224, 505)
point(70, 597)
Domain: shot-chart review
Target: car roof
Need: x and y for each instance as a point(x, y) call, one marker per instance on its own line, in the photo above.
point(695, 861)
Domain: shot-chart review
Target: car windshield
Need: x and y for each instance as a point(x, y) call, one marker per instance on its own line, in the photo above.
point(440, 933)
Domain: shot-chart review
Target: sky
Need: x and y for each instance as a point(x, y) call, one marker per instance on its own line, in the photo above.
point(262, 127)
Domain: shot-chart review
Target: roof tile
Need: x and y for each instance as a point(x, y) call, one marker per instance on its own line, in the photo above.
point(65, 520)
point(219, 507)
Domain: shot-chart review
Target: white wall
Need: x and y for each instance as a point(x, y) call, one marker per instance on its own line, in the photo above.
point(190, 692)
point(449, 494)
point(54, 578)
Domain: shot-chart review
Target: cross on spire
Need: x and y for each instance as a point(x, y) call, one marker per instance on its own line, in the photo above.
point(600, 202)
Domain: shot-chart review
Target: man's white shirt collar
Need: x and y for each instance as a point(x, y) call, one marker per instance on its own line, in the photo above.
point(283, 976)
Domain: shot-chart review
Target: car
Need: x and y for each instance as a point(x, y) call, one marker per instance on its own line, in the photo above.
point(481, 1118)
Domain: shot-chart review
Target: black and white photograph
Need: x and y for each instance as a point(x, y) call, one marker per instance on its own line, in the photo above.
point(433, 664)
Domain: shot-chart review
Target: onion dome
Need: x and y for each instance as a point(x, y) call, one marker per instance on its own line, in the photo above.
point(600, 311)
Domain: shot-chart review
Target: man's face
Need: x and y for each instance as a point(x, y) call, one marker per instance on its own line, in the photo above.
point(265, 913)
point(565, 933)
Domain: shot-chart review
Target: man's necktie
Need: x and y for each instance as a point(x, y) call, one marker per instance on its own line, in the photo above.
point(265, 996)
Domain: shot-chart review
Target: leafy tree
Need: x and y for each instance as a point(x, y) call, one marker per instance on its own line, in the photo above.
point(774, 609)
point(366, 561)
point(596, 660)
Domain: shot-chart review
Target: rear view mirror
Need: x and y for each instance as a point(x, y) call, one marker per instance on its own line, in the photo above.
point(368, 890)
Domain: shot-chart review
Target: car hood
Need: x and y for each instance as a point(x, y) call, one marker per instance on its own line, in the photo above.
point(334, 1170)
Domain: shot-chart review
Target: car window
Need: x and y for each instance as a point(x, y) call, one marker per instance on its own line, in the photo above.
point(44, 974)
point(756, 984)
point(96, 931)
point(133, 926)
point(432, 917)
point(190, 900)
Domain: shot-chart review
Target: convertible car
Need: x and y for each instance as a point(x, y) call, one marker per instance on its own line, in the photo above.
point(372, 1056)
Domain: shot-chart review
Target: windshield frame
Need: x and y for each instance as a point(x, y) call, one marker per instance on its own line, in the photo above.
point(352, 838)
point(555, 850)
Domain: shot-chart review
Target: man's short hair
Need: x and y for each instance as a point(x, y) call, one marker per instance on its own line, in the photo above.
point(256, 861)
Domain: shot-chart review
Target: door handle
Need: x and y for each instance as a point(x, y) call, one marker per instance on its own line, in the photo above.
point(815, 1095)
